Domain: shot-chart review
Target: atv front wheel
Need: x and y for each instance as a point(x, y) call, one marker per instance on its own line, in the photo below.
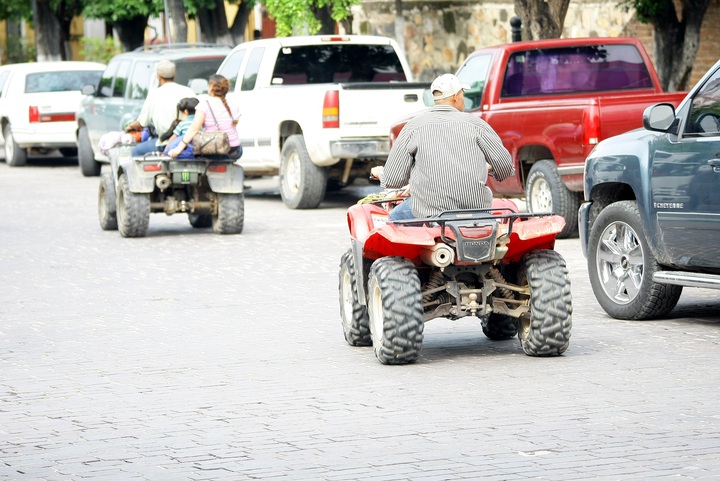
point(107, 203)
point(230, 217)
point(200, 221)
point(500, 327)
point(133, 210)
point(355, 321)
point(395, 310)
point(621, 266)
point(545, 329)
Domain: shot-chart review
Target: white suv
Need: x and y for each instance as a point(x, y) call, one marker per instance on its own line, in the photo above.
point(38, 103)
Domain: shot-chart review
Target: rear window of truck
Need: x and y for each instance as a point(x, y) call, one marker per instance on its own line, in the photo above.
point(314, 64)
point(592, 68)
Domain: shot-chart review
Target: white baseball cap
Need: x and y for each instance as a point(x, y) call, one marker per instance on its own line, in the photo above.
point(448, 85)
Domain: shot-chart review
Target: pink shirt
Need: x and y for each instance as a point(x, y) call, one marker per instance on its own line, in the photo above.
point(224, 121)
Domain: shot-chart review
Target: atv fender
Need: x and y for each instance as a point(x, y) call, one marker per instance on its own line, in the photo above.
point(139, 181)
point(228, 182)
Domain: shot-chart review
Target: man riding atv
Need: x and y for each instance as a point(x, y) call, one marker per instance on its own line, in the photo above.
point(446, 155)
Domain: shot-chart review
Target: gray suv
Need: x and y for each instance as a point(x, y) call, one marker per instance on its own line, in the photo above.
point(121, 91)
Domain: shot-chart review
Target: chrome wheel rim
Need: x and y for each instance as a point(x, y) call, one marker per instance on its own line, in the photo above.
point(619, 262)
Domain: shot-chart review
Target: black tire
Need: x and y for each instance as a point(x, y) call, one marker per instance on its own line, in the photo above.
point(395, 310)
point(621, 266)
point(14, 155)
point(107, 203)
point(133, 210)
point(302, 183)
point(230, 217)
point(500, 327)
point(200, 221)
point(545, 330)
point(545, 192)
point(86, 157)
point(355, 320)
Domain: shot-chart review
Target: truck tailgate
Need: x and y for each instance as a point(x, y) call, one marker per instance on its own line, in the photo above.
point(621, 113)
point(364, 107)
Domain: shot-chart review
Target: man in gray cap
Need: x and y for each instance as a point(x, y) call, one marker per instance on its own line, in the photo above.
point(160, 108)
point(445, 155)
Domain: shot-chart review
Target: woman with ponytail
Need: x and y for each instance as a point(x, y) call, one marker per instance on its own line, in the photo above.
point(214, 113)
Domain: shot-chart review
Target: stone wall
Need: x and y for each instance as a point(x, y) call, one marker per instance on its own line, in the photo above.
point(438, 35)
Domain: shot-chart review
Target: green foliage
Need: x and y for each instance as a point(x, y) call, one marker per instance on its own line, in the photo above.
point(114, 10)
point(290, 14)
point(99, 50)
point(18, 51)
point(646, 9)
point(15, 10)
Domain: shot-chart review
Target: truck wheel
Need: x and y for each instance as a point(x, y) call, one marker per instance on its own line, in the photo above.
point(200, 221)
point(621, 266)
point(545, 329)
point(545, 192)
point(395, 310)
point(302, 183)
point(230, 216)
point(133, 210)
point(355, 320)
point(14, 155)
point(107, 207)
point(86, 157)
point(500, 327)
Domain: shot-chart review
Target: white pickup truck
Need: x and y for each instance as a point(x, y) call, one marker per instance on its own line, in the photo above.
point(317, 110)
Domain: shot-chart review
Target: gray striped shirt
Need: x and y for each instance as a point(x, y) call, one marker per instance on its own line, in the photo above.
point(442, 154)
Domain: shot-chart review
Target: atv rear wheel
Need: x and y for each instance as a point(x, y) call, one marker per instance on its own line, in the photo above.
point(133, 210)
point(107, 203)
point(230, 217)
point(395, 310)
point(545, 329)
point(355, 320)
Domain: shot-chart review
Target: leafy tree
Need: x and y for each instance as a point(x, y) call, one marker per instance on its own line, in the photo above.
point(314, 16)
point(676, 41)
point(127, 17)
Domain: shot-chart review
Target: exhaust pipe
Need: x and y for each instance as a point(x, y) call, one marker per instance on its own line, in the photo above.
point(439, 255)
point(162, 181)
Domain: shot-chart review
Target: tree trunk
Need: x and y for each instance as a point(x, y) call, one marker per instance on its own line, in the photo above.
point(176, 22)
point(214, 26)
point(399, 25)
point(676, 42)
point(239, 24)
point(542, 19)
point(48, 32)
point(327, 24)
point(131, 32)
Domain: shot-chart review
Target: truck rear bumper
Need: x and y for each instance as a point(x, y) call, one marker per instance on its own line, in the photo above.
point(360, 149)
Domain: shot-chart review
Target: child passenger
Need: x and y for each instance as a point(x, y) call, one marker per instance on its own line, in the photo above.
point(185, 116)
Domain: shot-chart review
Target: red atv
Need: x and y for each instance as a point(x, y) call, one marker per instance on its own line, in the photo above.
point(495, 264)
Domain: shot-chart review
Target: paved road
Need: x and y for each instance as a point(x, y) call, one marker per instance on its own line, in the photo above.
point(190, 356)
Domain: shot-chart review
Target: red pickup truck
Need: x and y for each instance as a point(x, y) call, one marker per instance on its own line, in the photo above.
point(551, 101)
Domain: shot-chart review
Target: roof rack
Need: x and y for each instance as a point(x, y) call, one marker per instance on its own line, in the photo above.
point(164, 46)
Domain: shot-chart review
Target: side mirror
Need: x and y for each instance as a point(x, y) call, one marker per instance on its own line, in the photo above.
point(659, 117)
point(88, 89)
point(198, 85)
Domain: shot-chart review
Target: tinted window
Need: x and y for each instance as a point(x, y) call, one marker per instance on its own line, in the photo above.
point(705, 109)
point(251, 71)
point(593, 68)
point(121, 79)
point(140, 80)
point(231, 67)
point(196, 68)
point(105, 85)
point(337, 63)
point(59, 81)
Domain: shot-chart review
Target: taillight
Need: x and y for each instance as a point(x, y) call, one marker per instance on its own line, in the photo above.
point(331, 110)
point(591, 124)
point(217, 168)
point(152, 167)
point(34, 114)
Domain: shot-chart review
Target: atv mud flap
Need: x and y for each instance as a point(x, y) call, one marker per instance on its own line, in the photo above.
point(229, 181)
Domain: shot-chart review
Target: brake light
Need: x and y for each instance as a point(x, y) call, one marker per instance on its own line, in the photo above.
point(331, 110)
point(217, 168)
point(152, 167)
point(335, 39)
point(591, 124)
point(34, 114)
